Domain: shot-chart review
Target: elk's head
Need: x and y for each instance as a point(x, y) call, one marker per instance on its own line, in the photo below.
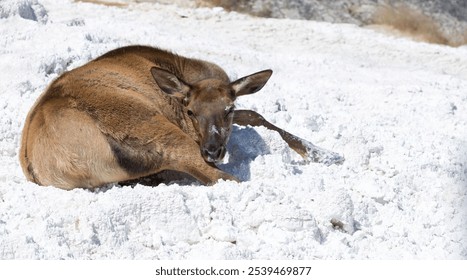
point(210, 105)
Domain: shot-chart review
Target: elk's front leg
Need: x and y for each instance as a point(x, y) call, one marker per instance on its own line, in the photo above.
point(191, 162)
point(303, 147)
point(158, 145)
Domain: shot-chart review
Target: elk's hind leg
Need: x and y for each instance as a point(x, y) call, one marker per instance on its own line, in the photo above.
point(303, 147)
point(67, 150)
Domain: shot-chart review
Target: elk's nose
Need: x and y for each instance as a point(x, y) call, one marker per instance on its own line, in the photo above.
point(213, 153)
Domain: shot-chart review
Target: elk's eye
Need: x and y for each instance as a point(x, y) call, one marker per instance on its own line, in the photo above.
point(190, 113)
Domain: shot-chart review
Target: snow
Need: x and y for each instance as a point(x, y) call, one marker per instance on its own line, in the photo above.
point(396, 109)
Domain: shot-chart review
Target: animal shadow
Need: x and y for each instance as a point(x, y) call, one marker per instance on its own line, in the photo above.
point(244, 146)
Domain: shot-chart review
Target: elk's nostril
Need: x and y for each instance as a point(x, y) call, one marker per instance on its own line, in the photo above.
point(221, 152)
point(214, 153)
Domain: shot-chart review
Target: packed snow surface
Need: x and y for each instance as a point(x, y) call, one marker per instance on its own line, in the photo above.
point(396, 109)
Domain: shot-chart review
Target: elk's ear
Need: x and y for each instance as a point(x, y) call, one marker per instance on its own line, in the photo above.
point(169, 83)
point(251, 83)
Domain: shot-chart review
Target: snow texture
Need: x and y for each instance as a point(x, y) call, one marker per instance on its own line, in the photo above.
point(396, 109)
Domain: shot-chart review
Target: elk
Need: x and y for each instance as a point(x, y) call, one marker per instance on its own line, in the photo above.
point(136, 111)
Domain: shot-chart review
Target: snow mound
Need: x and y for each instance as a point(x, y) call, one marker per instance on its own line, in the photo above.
point(26, 9)
point(396, 109)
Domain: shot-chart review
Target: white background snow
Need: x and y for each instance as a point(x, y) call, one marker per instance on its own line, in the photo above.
point(396, 109)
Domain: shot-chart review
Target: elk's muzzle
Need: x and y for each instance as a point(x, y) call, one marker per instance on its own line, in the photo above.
point(213, 153)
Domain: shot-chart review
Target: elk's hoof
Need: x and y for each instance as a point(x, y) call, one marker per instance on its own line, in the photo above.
point(326, 157)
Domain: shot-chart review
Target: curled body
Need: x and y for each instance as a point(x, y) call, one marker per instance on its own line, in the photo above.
point(133, 112)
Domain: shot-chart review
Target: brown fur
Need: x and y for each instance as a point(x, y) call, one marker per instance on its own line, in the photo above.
point(136, 111)
point(111, 120)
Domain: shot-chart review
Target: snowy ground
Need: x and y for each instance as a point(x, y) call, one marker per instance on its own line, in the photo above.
point(396, 109)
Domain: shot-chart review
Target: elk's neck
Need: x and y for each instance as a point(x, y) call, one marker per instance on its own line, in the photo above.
point(175, 113)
